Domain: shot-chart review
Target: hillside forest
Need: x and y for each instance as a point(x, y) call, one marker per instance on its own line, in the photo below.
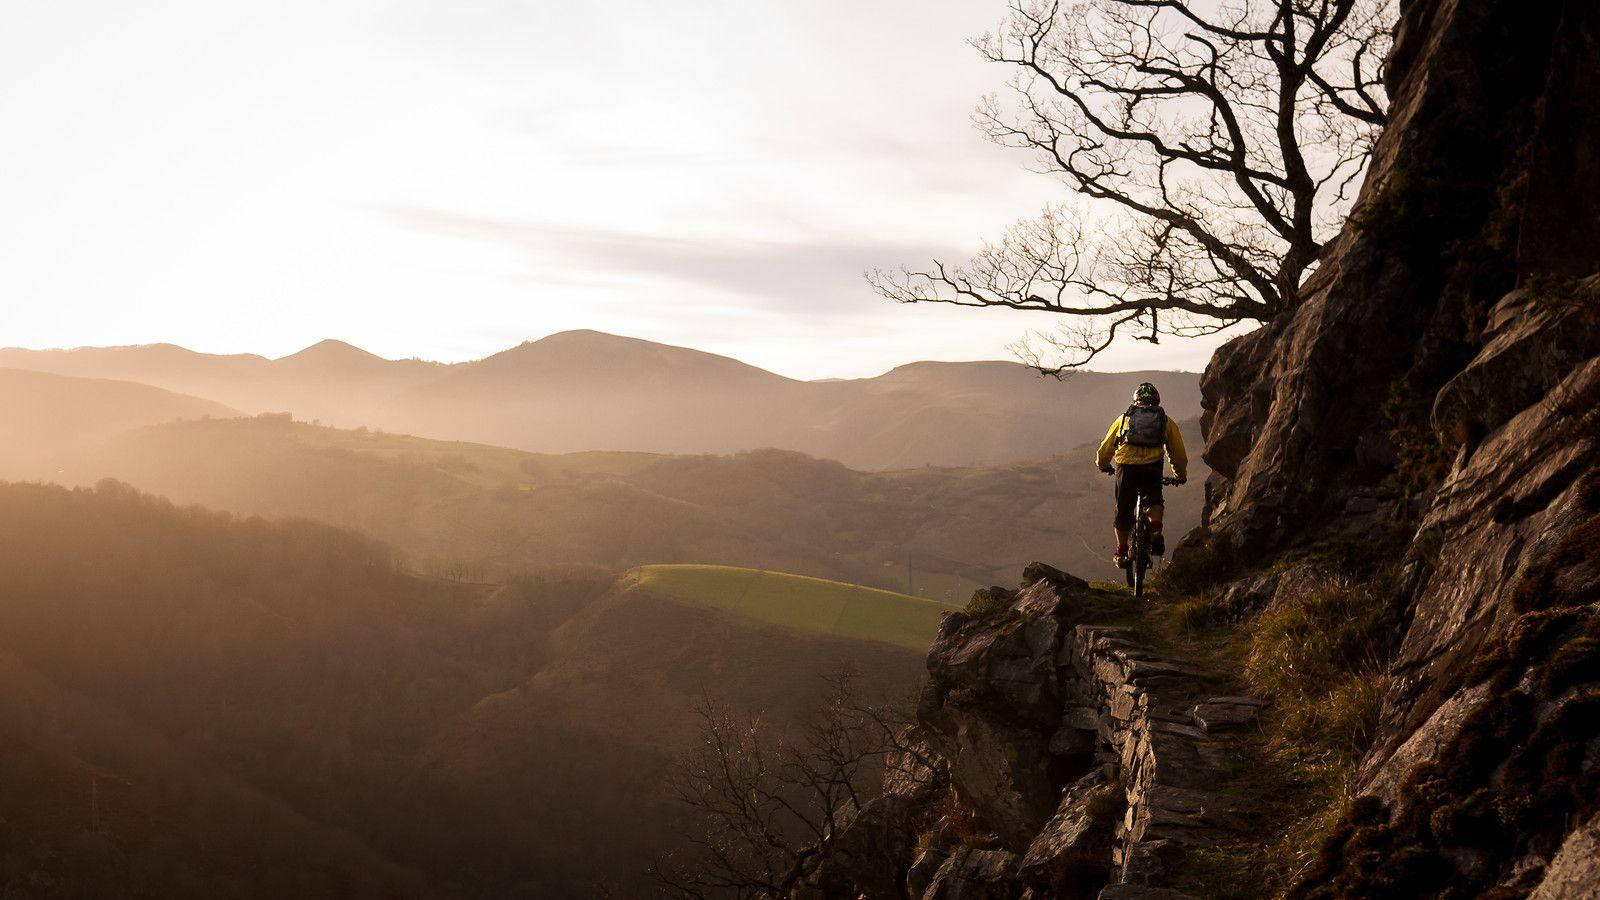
point(370, 663)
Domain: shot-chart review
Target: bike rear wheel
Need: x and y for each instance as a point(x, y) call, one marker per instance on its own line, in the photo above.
point(1138, 556)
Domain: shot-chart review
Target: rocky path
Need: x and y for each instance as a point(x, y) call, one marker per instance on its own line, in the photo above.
point(1162, 740)
point(1068, 759)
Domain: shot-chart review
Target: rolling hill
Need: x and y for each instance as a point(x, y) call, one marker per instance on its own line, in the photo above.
point(100, 802)
point(813, 605)
point(585, 390)
point(330, 379)
point(371, 719)
point(43, 415)
point(615, 705)
point(477, 511)
point(195, 705)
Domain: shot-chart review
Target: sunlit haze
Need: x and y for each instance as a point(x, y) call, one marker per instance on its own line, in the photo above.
point(445, 180)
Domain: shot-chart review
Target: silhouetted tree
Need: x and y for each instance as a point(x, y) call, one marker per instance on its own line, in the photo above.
point(772, 804)
point(1215, 145)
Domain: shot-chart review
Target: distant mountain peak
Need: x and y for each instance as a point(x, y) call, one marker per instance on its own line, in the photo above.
point(588, 337)
point(585, 352)
point(581, 333)
point(332, 349)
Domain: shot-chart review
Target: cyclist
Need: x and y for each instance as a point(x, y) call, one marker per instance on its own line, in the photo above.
point(1136, 443)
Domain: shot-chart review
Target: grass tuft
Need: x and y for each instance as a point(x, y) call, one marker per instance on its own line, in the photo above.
point(1318, 653)
point(1196, 615)
point(1108, 804)
point(1319, 656)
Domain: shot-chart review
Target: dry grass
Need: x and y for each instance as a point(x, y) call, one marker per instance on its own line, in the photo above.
point(1295, 803)
point(1319, 656)
point(1199, 614)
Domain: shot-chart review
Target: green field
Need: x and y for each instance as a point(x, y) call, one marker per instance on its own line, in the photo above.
point(798, 601)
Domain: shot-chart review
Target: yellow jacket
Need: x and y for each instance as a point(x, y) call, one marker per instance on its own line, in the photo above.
point(1129, 455)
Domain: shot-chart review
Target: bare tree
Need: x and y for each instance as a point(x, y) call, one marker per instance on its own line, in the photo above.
point(771, 804)
point(1215, 145)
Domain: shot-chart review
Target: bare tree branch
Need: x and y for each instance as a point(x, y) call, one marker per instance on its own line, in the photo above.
point(771, 801)
point(1215, 146)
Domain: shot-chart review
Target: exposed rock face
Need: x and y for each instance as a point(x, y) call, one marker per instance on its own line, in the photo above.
point(1448, 223)
point(969, 874)
point(1459, 310)
point(991, 705)
point(1489, 744)
point(1573, 873)
point(1084, 759)
point(1077, 840)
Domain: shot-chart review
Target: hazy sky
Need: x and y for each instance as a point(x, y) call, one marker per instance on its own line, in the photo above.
point(446, 179)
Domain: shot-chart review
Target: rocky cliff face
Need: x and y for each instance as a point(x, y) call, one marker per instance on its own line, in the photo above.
point(1441, 386)
point(1451, 259)
point(1436, 403)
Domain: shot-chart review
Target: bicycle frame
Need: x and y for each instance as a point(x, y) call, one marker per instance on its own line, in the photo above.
point(1139, 544)
point(1138, 548)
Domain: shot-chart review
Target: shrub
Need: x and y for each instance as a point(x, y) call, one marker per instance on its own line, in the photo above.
point(987, 603)
point(1422, 458)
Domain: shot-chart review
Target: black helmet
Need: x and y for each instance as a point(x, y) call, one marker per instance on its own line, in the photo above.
point(1146, 394)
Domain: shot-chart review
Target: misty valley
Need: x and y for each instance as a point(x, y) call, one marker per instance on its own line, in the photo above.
point(249, 649)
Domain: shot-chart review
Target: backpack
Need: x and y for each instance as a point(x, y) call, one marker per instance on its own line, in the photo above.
point(1144, 426)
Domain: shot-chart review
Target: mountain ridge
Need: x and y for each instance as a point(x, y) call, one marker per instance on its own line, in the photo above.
point(613, 338)
point(589, 390)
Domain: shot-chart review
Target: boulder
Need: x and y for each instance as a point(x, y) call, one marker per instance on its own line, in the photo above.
point(1036, 572)
point(871, 853)
point(970, 874)
point(1003, 772)
point(993, 708)
point(1246, 596)
point(1071, 854)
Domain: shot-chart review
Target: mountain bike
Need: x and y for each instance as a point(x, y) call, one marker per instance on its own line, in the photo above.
point(1138, 558)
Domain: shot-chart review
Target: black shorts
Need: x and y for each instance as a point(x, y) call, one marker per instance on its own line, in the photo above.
point(1134, 481)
